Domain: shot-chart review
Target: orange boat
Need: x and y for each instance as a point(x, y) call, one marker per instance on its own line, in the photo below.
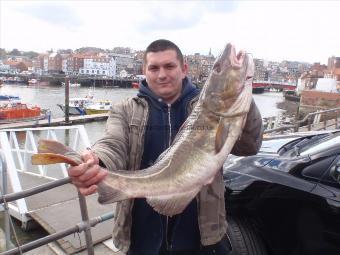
point(135, 85)
point(12, 111)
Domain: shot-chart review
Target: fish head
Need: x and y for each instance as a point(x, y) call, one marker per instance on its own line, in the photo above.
point(227, 79)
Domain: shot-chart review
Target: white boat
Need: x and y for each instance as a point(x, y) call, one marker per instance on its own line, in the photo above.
point(32, 81)
point(72, 85)
point(98, 106)
point(77, 105)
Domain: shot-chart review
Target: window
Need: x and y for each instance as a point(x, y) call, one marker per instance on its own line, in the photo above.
point(97, 71)
point(103, 72)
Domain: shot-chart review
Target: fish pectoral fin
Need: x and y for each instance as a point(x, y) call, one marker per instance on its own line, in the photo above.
point(108, 194)
point(170, 205)
point(52, 146)
point(221, 134)
point(51, 158)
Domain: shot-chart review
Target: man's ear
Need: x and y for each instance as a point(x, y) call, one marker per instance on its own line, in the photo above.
point(144, 69)
point(185, 68)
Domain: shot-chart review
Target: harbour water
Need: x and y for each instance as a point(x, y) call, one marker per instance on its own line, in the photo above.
point(47, 97)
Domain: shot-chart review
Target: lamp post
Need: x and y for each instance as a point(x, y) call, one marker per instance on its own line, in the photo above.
point(67, 99)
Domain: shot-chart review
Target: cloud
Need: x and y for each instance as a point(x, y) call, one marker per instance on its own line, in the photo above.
point(181, 15)
point(220, 6)
point(52, 13)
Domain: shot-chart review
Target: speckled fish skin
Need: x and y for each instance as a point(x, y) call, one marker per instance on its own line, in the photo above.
point(200, 147)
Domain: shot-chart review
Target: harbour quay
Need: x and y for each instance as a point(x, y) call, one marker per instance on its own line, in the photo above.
point(63, 121)
point(83, 80)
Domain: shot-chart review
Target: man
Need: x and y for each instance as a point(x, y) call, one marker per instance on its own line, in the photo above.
point(137, 132)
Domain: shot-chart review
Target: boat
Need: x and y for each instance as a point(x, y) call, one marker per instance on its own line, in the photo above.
point(32, 81)
point(12, 111)
point(291, 95)
point(77, 105)
point(8, 98)
point(135, 85)
point(72, 85)
point(98, 106)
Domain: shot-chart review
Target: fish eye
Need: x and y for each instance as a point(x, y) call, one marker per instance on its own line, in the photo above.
point(217, 67)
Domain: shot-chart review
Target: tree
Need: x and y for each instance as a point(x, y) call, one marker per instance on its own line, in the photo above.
point(15, 52)
point(30, 54)
point(2, 53)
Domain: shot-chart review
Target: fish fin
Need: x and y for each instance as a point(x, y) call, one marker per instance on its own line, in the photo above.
point(171, 204)
point(221, 134)
point(108, 194)
point(55, 147)
point(51, 158)
point(52, 146)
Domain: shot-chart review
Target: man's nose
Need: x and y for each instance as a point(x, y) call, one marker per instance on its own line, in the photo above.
point(162, 73)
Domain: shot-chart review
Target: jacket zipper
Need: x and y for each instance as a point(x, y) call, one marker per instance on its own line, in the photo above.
point(167, 217)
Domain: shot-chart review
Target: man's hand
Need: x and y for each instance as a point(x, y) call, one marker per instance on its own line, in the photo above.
point(86, 175)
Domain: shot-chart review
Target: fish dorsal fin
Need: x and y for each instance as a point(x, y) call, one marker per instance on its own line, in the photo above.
point(170, 205)
point(221, 134)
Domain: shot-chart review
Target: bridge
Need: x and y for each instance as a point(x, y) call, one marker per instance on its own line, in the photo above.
point(259, 86)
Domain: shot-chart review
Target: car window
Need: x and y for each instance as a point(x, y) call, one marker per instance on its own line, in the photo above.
point(328, 179)
point(274, 145)
point(318, 167)
point(320, 145)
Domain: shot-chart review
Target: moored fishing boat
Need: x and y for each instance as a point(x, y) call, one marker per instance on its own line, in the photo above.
point(32, 81)
point(8, 98)
point(16, 111)
point(72, 85)
point(98, 106)
point(77, 105)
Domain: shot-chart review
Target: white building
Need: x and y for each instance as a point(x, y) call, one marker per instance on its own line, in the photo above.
point(4, 68)
point(64, 65)
point(99, 66)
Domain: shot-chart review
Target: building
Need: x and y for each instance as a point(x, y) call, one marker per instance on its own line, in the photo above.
point(74, 63)
point(99, 66)
point(333, 68)
point(123, 62)
point(52, 63)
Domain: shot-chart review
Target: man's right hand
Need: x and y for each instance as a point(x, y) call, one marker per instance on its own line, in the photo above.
point(86, 175)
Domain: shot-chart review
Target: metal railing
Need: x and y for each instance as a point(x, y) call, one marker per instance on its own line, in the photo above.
point(17, 146)
point(85, 225)
point(10, 167)
point(315, 116)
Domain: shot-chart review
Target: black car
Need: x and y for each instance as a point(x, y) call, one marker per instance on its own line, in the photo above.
point(286, 199)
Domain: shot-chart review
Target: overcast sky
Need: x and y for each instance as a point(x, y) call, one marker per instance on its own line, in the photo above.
point(273, 30)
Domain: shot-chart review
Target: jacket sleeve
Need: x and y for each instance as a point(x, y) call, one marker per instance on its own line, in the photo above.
point(112, 148)
point(251, 139)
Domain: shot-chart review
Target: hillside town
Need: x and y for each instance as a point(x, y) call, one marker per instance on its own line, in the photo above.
point(125, 63)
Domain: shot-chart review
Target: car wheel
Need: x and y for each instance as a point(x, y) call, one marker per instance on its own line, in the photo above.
point(244, 237)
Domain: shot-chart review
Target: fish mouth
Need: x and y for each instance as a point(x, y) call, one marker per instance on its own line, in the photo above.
point(229, 58)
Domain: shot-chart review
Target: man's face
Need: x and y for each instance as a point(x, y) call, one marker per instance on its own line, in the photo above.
point(164, 74)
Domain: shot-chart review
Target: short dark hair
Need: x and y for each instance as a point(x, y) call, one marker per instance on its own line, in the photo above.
point(162, 45)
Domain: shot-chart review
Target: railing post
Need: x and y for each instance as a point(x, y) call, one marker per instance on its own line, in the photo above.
point(85, 218)
point(309, 123)
point(4, 188)
point(336, 120)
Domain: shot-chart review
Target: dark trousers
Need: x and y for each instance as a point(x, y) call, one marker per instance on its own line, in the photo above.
point(221, 248)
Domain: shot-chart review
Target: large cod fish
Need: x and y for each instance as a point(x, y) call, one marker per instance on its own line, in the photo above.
point(198, 151)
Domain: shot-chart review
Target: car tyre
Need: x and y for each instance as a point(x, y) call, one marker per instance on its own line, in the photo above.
point(244, 238)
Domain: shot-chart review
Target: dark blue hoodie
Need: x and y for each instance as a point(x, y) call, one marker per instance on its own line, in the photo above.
point(150, 230)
